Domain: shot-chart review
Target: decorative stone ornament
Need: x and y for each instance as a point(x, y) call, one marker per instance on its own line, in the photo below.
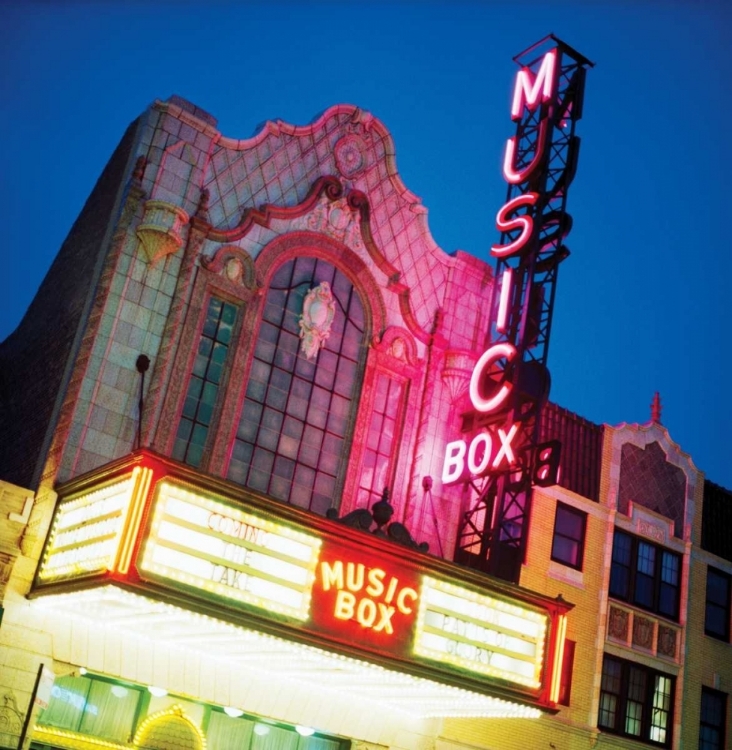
point(316, 319)
point(456, 371)
point(160, 229)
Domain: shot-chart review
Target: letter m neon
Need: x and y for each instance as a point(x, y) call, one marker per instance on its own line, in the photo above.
point(331, 576)
point(526, 93)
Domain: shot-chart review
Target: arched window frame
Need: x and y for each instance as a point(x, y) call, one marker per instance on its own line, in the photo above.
point(211, 280)
point(272, 257)
point(405, 370)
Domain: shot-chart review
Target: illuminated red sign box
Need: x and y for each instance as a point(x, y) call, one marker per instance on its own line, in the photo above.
point(359, 596)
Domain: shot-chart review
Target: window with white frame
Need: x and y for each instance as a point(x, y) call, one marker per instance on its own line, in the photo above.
point(645, 575)
point(636, 701)
point(568, 542)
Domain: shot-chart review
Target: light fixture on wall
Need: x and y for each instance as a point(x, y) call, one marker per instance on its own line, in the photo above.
point(304, 731)
point(235, 713)
point(261, 730)
point(158, 692)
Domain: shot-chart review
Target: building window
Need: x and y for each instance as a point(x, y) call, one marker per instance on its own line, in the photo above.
point(569, 536)
point(713, 720)
point(645, 575)
point(294, 431)
point(717, 615)
point(92, 706)
point(381, 440)
point(635, 701)
point(203, 387)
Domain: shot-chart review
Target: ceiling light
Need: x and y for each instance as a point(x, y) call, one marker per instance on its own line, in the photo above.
point(304, 731)
point(158, 692)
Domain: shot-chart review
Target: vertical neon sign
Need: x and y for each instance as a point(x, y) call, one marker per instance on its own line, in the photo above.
point(510, 382)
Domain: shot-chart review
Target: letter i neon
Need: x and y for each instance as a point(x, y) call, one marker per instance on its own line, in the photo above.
point(506, 282)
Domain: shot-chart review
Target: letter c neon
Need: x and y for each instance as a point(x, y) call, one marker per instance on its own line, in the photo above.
point(488, 357)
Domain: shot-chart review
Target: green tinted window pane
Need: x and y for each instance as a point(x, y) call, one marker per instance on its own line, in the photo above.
point(198, 436)
point(204, 414)
point(214, 372)
point(228, 315)
point(209, 393)
point(194, 454)
point(189, 408)
point(218, 355)
point(200, 364)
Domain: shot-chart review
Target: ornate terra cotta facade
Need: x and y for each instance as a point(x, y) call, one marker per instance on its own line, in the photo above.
point(232, 434)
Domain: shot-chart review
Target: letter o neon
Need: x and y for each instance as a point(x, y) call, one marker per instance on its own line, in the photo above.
point(487, 441)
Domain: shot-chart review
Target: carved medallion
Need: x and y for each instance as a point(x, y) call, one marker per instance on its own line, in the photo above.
point(667, 641)
point(642, 632)
point(349, 155)
point(618, 624)
point(316, 319)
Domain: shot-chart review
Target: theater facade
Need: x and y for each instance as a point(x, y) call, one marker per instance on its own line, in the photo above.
point(232, 516)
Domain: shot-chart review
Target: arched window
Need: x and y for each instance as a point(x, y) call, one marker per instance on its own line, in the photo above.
point(294, 432)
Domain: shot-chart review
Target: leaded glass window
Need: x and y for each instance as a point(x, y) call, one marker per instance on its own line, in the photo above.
point(203, 386)
point(293, 437)
point(381, 440)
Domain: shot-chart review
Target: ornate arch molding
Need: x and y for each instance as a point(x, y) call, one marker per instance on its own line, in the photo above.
point(649, 439)
point(399, 344)
point(233, 264)
point(333, 190)
point(169, 727)
point(295, 244)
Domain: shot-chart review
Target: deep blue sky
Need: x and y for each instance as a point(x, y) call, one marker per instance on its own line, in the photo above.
point(643, 301)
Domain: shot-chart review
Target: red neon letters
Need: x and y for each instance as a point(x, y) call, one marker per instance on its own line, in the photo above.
point(525, 223)
point(527, 95)
point(479, 456)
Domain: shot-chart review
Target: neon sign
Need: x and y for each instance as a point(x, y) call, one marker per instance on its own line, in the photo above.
point(526, 234)
point(375, 596)
point(361, 596)
point(510, 382)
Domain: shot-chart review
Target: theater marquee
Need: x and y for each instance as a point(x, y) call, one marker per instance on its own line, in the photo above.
point(156, 529)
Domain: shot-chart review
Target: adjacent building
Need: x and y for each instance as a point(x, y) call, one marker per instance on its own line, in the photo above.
point(224, 423)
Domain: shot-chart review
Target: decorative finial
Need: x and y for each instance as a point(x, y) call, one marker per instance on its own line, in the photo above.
point(656, 409)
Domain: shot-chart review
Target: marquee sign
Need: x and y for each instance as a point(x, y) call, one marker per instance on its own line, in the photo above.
point(166, 531)
point(203, 543)
point(85, 535)
point(480, 633)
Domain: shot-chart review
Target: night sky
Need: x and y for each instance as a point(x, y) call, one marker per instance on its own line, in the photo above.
point(643, 301)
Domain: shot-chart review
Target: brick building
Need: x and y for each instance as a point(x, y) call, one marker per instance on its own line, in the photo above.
point(238, 347)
